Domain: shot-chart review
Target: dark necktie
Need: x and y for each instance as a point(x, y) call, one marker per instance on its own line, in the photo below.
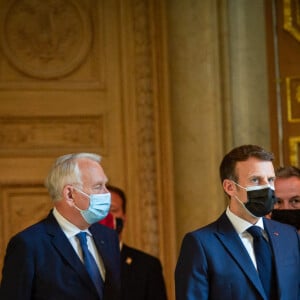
point(263, 255)
point(90, 264)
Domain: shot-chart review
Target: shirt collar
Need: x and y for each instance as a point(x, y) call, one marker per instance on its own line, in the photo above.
point(67, 227)
point(239, 224)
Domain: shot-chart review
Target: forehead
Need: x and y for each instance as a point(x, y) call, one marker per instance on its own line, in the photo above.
point(115, 198)
point(287, 186)
point(116, 204)
point(254, 167)
point(91, 171)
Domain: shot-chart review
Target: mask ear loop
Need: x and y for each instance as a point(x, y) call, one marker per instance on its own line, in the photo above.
point(80, 191)
point(244, 206)
point(239, 185)
point(85, 194)
point(236, 197)
point(242, 203)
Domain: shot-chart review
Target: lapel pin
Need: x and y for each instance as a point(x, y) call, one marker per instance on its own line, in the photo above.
point(276, 233)
point(128, 260)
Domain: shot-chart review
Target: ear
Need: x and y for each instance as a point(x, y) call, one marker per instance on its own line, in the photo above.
point(229, 187)
point(68, 194)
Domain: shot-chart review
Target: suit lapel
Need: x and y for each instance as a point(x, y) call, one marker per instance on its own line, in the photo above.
point(65, 249)
point(279, 248)
point(233, 244)
point(274, 234)
point(101, 242)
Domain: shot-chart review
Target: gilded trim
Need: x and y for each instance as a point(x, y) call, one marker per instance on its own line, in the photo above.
point(292, 17)
point(294, 145)
point(292, 94)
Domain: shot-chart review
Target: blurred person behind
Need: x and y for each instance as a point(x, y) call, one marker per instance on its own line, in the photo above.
point(287, 191)
point(141, 273)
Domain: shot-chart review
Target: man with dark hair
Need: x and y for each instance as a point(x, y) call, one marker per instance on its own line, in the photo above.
point(242, 255)
point(287, 191)
point(141, 273)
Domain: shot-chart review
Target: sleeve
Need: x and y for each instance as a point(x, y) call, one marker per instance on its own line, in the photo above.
point(18, 270)
point(191, 274)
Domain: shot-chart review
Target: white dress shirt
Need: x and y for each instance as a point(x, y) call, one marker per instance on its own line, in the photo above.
point(241, 226)
point(70, 230)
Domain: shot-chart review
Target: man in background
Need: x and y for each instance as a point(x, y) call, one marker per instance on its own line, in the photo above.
point(141, 273)
point(287, 191)
point(68, 255)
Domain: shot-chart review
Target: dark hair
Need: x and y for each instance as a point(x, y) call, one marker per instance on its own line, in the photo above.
point(287, 172)
point(241, 153)
point(121, 193)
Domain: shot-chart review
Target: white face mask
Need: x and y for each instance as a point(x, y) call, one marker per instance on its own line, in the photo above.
point(98, 208)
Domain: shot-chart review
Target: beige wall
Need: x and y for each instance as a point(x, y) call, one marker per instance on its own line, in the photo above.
point(248, 72)
point(218, 97)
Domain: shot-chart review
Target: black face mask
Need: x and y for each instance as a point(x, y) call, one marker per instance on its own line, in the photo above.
point(287, 216)
point(260, 201)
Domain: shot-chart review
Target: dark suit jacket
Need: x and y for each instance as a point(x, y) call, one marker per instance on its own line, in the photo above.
point(142, 277)
point(214, 264)
point(40, 263)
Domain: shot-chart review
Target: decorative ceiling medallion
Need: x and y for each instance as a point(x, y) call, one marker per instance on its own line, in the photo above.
point(291, 12)
point(46, 39)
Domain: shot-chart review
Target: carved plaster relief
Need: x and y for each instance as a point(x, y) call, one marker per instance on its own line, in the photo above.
point(46, 39)
point(39, 135)
point(145, 127)
point(58, 44)
point(21, 206)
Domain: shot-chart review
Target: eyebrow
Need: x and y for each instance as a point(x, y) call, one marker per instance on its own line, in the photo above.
point(261, 177)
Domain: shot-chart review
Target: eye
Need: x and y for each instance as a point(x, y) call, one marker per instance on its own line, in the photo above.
point(271, 180)
point(278, 204)
point(295, 201)
point(255, 180)
point(100, 187)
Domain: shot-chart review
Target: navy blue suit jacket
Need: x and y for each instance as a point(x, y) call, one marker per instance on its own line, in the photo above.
point(214, 264)
point(40, 263)
point(142, 276)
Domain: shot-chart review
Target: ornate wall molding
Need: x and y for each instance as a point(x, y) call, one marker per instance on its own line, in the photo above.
point(59, 44)
point(294, 145)
point(293, 99)
point(291, 12)
point(39, 135)
point(147, 127)
point(46, 39)
point(147, 172)
point(20, 207)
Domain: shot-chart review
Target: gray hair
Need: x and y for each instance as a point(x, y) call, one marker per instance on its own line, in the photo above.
point(65, 171)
